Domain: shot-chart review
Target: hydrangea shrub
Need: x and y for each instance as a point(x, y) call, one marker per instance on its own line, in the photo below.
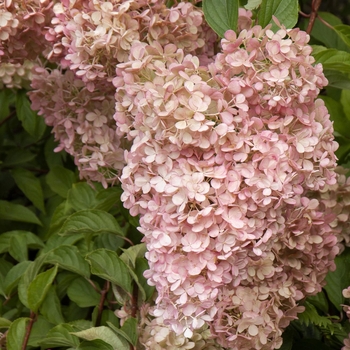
point(222, 131)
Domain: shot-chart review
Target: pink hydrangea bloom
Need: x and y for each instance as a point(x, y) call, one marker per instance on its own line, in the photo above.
point(89, 38)
point(228, 159)
point(22, 29)
point(346, 308)
point(155, 335)
point(336, 199)
point(82, 122)
point(16, 75)
point(346, 343)
point(223, 162)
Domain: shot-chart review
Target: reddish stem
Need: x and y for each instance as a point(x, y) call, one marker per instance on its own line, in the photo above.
point(325, 22)
point(314, 9)
point(134, 300)
point(29, 329)
point(12, 114)
point(3, 340)
point(104, 292)
point(304, 14)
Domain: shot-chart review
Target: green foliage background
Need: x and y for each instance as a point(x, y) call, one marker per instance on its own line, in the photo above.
point(70, 254)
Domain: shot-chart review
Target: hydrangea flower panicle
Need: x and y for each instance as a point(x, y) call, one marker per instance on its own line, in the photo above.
point(240, 154)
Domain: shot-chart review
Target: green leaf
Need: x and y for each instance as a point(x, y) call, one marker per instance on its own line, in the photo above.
point(5, 266)
point(60, 214)
point(343, 31)
point(94, 344)
point(107, 198)
point(109, 241)
point(120, 295)
point(81, 325)
point(60, 180)
point(128, 330)
point(325, 34)
point(317, 48)
point(105, 334)
point(14, 275)
point(69, 258)
point(56, 241)
point(31, 122)
point(83, 293)
point(221, 15)
point(16, 333)
point(141, 266)
point(337, 79)
point(51, 307)
point(333, 59)
point(139, 284)
point(335, 109)
point(344, 148)
point(345, 102)
point(339, 279)
point(252, 4)
point(29, 238)
point(91, 221)
point(53, 158)
point(310, 344)
point(11, 314)
point(109, 316)
point(311, 316)
point(286, 11)
point(18, 248)
point(73, 312)
point(18, 156)
point(82, 196)
point(4, 103)
point(30, 186)
point(29, 275)
point(40, 328)
point(4, 323)
point(64, 280)
point(130, 255)
point(60, 336)
point(39, 287)
point(320, 301)
point(17, 212)
point(107, 264)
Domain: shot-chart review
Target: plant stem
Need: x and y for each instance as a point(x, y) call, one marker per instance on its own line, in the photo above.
point(127, 240)
point(29, 329)
point(93, 285)
point(134, 300)
point(325, 22)
point(304, 14)
point(3, 340)
point(314, 9)
point(104, 292)
point(12, 114)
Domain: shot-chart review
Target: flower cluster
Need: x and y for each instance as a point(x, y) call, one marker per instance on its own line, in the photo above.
point(16, 75)
point(346, 343)
point(82, 122)
point(22, 40)
point(155, 335)
point(227, 158)
point(222, 165)
point(22, 29)
point(89, 38)
point(336, 200)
